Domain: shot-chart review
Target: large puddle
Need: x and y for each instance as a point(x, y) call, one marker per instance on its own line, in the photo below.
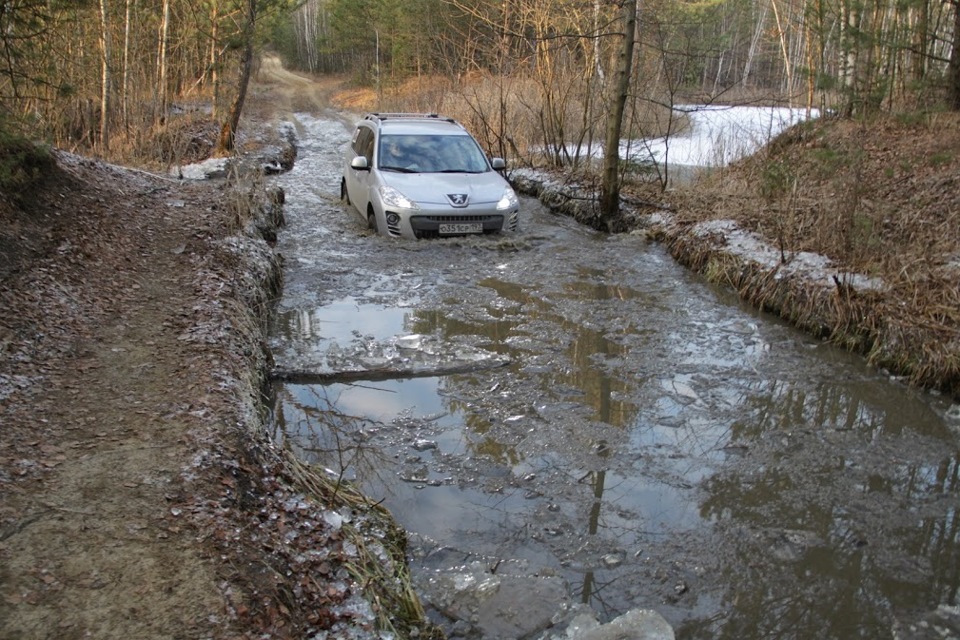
point(578, 414)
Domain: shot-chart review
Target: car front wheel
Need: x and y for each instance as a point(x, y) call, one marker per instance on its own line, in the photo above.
point(372, 220)
point(343, 191)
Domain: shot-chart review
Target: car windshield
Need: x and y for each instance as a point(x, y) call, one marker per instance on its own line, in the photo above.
point(419, 153)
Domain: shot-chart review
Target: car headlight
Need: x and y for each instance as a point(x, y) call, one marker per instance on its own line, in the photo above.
point(394, 199)
point(508, 200)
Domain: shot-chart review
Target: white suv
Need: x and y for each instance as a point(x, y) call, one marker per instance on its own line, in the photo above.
point(422, 175)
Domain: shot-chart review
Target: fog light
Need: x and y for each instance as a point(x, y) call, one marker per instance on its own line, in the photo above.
point(393, 219)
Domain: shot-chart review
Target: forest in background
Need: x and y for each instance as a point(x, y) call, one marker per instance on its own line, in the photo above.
point(538, 73)
point(146, 80)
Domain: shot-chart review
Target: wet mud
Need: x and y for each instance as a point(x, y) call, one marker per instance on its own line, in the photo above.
point(563, 419)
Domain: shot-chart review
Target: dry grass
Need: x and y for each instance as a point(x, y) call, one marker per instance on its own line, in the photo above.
point(880, 198)
point(380, 565)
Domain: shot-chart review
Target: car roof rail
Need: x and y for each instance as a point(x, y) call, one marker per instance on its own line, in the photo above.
point(429, 116)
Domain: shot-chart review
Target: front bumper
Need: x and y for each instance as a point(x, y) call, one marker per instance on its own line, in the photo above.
point(425, 223)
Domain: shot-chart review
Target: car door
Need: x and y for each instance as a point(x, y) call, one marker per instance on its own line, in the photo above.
point(359, 180)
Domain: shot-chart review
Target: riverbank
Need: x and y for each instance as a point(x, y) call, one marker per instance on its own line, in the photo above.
point(847, 230)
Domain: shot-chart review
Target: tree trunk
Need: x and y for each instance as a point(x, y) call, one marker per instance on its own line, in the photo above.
point(228, 131)
point(125, 86)
point(788, 70)
point(215, 58)
point(754, 44)
point(104, 76)
point(162, 60)
point(850, 51)
point(610, 184)
point(955, 59)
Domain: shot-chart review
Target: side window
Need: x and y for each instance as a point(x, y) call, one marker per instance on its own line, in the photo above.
point(361, 140)
point(367, 148)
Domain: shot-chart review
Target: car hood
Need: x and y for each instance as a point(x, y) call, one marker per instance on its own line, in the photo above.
point(433, 188)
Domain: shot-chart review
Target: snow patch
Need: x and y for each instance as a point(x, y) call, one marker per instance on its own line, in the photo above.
point(718, 135)
point(813, 267)
point(206, 170)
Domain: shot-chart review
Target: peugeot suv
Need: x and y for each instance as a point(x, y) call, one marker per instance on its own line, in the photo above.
point(423, 175)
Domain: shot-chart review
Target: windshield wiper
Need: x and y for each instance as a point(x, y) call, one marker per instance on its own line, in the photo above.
point(457, 171)
point(399, 169)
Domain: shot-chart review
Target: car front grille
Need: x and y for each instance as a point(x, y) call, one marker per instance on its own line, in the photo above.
point(428, 226)
point(439, 219)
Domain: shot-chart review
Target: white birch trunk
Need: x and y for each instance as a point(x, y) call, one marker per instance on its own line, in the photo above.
point(125, 88)
point(104, 76)
point(162, 59)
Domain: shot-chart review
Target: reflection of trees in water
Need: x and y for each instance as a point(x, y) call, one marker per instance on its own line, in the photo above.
point(306, 420)
point(776, 404)
point(791, 606)
point(575, 358)
point(592, 589)
point(941, 535)
point(851, 516)
point(586, 348)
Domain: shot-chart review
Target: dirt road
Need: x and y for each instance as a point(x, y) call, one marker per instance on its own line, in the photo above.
point(114, 351)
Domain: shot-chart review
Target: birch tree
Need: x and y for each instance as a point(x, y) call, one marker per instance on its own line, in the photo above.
point(954, 66)
point(105, 79)
point(162, 58)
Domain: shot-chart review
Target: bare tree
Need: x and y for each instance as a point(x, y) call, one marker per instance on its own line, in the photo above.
point(162, 58)
point(125, 86)
point(228, 131)
point(105, 78)
point(610, 179)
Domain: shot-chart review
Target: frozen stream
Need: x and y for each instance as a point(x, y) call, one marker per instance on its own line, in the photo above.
point(561, 418)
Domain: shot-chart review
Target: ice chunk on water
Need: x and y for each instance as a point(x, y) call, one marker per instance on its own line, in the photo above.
point(413, 341)
point(637, 623)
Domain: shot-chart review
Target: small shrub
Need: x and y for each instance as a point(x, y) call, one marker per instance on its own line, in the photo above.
point(776, 180)
point(940, 159)
point(21, 162)
point(827, 161)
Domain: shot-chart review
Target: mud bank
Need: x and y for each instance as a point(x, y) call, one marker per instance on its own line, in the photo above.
point(334, 561)
point(851, 310)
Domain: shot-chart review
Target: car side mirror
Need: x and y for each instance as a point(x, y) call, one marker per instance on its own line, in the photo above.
point(498, 164)
point(360, 163)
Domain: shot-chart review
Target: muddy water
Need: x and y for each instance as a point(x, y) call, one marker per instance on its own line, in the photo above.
point(578, 409)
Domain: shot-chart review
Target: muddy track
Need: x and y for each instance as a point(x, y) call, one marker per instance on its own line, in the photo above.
point(114, 360)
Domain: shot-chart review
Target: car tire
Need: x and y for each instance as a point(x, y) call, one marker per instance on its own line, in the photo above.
point(343, 191)
point(372, 220)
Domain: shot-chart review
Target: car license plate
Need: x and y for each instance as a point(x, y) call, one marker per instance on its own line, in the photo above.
point(461, 227)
